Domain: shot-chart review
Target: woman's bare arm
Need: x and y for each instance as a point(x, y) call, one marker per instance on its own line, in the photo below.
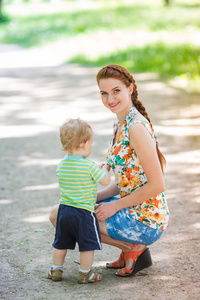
point(110, 191)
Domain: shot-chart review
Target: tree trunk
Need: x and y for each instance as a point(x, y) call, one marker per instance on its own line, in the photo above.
point(167, 2)
point(1, 8)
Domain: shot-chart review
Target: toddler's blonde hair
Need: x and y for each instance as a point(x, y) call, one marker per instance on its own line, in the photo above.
point(74, 132)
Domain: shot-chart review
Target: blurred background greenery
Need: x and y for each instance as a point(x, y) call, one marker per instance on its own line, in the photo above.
point(144, 36)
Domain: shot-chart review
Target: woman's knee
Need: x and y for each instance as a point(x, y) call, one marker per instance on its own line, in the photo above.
point(102, 227)
point(53, 215)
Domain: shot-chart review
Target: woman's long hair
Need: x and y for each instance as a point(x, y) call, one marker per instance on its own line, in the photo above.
point(120, 73)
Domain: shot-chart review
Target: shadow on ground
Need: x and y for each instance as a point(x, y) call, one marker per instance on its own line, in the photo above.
point(34, 102)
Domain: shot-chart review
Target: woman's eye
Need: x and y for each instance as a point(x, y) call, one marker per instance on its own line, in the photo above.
point(117, 90)
point(103, 94)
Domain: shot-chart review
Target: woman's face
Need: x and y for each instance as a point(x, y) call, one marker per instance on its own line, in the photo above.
point(115, 95)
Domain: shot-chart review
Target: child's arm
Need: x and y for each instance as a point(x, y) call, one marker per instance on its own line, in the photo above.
point(106, 179)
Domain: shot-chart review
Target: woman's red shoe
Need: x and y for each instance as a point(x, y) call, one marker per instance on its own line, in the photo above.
point(120, 263)
point(142, 260)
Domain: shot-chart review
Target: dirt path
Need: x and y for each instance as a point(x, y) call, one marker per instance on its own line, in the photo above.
point(34, 102)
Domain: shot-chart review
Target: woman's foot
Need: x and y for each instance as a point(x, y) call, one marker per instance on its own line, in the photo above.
point(136, 259)
point(132, 255)
point(120, 263)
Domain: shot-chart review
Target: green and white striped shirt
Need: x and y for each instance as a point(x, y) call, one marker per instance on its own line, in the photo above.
point(77, 181)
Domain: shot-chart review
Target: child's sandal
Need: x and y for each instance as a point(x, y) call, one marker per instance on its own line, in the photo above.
point(55, 275)
point(88, 278)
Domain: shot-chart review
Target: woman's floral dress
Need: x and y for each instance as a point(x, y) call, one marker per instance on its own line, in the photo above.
point(130, 176)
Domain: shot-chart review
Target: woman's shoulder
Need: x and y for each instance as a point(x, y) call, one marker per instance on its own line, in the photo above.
point(137, 120)
point(141, 121)
point(140, 126)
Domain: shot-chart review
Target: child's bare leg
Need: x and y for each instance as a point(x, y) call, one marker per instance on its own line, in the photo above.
point(57, 268)
point(86, 259)
point(59, 256)
point(86, 274)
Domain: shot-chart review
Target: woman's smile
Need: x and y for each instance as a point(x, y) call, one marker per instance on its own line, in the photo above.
point(113, 104)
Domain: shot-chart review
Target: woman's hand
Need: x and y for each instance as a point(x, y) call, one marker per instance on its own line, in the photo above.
point(104, 211)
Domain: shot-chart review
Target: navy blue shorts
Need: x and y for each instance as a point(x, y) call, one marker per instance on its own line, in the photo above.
point(77, 225)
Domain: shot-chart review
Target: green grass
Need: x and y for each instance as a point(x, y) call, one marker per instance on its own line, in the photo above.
point(167, 60)
point(175, 60)
point(35, 30)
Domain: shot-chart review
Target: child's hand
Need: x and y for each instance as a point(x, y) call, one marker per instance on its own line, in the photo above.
point(101, 166)
point(105, 167)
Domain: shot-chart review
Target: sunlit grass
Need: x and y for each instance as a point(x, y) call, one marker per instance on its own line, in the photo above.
point(172, 61)
point(38, 29)
point(177, 60)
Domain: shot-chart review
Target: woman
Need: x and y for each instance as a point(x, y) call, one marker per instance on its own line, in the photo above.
point(140, 215)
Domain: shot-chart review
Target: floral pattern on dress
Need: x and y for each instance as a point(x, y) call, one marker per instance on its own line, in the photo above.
point(129, 174)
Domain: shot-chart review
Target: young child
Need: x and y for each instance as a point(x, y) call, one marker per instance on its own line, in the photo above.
point(76, 221)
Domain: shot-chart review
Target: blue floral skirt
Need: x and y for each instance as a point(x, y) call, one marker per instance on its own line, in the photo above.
point(124, 227)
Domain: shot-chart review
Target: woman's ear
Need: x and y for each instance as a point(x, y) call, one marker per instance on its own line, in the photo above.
point(131, 88)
